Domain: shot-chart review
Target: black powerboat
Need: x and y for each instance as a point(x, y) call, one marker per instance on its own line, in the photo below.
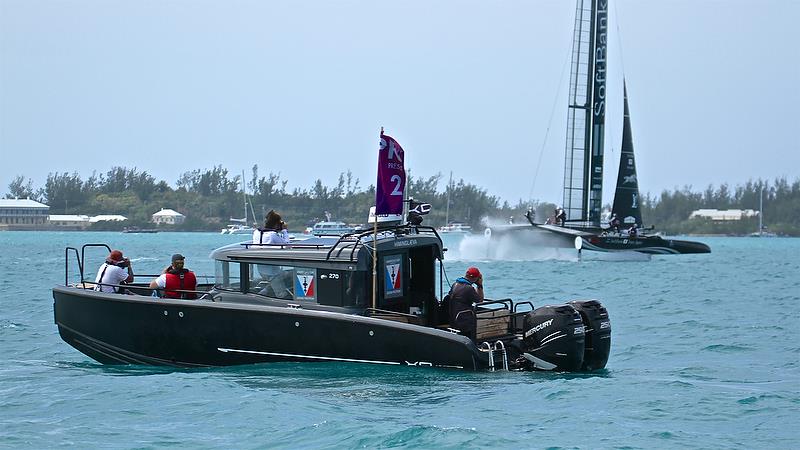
point(313, 301)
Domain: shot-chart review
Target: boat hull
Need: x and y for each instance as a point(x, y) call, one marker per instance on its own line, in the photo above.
point(131, 329)
point(652, 245)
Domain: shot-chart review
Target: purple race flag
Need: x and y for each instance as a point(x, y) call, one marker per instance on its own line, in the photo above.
point(391, 177)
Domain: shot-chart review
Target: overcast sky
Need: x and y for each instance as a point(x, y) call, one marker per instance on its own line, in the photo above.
point(303, 87)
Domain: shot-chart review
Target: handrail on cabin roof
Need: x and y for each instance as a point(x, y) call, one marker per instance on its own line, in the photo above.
point(349, 239)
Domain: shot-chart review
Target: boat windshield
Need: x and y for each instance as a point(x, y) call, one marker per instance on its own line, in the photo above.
point(226, 278)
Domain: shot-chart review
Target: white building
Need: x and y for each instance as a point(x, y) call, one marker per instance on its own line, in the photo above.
point(169, 217)
point(18, 213)
point(107, 217)
point(724, 215)
point(81, 221)
point(73, 221)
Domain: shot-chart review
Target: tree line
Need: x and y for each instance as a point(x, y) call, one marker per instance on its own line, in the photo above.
point(210, 198)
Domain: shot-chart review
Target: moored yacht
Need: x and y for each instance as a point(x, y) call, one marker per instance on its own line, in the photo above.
point(332, 228)
point(237, 228)
point(455, 227)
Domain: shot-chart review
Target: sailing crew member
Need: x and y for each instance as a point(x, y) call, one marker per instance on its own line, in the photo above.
point(176, 277)
point(115, 270)
point(633, 231)
point(275, 230)
point(613, 223)
point(464, 294)
point(561, 216)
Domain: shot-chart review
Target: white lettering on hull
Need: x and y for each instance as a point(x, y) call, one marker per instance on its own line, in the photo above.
point(539, 327)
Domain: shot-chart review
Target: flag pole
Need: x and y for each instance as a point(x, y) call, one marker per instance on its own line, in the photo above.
point(375, 251)
point(375, 262)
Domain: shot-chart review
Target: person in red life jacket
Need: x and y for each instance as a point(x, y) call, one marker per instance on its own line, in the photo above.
point(465, 293)
point(176, 277)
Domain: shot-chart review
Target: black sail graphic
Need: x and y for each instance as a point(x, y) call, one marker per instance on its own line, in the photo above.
point(583, 168)
point(626, 198)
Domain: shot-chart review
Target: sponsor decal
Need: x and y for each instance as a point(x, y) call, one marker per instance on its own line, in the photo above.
point(305, 284)
point(393, 277)
point(419, 364)
point(405, 243)
point(629, 179)
point(539, 327)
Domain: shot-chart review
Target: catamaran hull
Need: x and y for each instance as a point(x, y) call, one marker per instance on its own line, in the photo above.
point(652, 245)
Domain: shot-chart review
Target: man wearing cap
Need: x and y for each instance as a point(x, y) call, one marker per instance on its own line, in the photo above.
point(465, 293)
point(114, 271)
point(176, 277)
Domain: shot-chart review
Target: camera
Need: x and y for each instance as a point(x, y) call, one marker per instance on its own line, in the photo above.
point(124, 263)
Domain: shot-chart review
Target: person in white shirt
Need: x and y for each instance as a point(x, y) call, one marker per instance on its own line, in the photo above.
point(275, 230)
point(114, 271)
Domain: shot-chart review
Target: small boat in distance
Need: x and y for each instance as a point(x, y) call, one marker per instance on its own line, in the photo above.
point(762, 229)
point(455, 227)
point(330, 227)
point(139, 230)
point(452, 227)
point(333, 228)
point(239, 226)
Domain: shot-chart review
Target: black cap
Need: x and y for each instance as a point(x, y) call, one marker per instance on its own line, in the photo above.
point(177, 257)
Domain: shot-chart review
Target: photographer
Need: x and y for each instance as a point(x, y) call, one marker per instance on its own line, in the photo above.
point(274, 232)
point(114, 271)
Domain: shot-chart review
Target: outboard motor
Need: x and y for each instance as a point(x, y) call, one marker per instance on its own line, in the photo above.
point(553, 339)
point(598, 333)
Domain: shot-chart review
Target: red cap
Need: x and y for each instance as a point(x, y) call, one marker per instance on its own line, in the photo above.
point(473, 272)
point(115, 255)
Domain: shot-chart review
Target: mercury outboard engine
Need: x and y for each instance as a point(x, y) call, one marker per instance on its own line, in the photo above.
point(598, 333)
point(553, 339)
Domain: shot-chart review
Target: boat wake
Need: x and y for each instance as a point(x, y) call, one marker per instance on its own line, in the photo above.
point(615, 256)
point(511, 247)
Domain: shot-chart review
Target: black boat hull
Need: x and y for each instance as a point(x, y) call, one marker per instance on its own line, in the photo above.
point(652, 245)
point(130, 329)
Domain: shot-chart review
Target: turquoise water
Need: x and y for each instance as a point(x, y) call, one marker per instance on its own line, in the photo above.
point(705, 354)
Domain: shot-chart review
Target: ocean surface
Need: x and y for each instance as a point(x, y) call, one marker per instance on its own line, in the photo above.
point(705, 354)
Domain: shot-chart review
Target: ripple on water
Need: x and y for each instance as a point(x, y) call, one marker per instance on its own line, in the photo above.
point(727, 348)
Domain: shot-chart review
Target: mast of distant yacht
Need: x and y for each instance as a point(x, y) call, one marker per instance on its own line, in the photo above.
point(760, 209)
point(244, 196)
point(447, 209)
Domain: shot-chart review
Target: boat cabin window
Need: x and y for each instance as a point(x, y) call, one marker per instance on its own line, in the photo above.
point(273, 281)
point(226, 276)
point(329, 287)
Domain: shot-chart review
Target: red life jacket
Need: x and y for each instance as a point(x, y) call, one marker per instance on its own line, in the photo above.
point(184, 279)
